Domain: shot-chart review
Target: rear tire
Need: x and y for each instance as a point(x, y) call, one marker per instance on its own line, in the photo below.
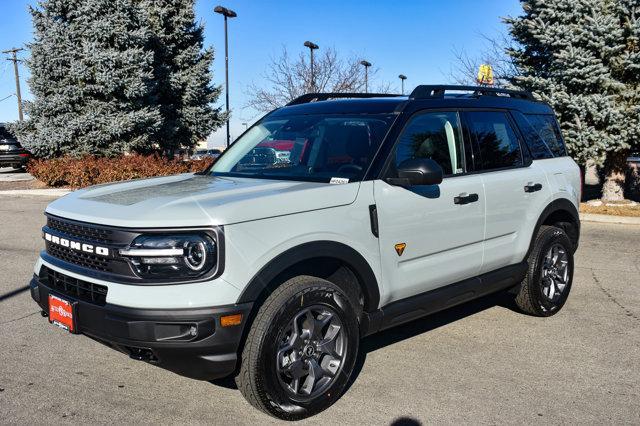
point(300, 350)
point(546, 287)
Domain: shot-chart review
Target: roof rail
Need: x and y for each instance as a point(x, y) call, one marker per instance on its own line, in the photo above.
point(438, 91)
point(314, 97)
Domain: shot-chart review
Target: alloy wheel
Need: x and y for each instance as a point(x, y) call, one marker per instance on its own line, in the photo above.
point(555, 272)
point(311, 352)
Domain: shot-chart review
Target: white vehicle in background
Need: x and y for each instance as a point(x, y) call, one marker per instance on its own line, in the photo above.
point(201, 154)
point(330, 219)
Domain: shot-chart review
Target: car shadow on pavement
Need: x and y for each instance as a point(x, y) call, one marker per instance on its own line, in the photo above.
point(411, 329)
point(423, 325)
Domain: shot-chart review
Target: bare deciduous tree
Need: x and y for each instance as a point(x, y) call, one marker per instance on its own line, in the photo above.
point(288, 77)
point(465, 69)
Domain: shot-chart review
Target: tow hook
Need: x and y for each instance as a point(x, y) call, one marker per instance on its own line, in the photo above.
point(142, 354)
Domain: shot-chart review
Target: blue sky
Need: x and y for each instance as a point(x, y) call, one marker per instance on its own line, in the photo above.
point(413, 37)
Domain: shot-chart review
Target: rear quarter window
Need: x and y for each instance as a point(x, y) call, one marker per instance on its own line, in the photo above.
point(547, 128)
point(537, 146)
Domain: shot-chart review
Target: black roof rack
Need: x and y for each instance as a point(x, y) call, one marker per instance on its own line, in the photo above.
point(314, 97)
point(438, 91)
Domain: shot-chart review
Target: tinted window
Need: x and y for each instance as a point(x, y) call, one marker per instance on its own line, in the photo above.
point(537, 146)
point(434, 135)
point(497, 142)
point(4, 133)
point(547, 128)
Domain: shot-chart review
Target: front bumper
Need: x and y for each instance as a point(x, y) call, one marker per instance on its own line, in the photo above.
point(189, 342)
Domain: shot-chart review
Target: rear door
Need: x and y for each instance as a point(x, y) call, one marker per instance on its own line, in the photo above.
point(427, 240)
point(516, 189)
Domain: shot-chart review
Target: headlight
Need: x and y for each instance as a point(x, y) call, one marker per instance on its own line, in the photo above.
point(172, 256)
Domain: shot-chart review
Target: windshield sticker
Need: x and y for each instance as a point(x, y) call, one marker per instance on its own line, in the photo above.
point(338, 181)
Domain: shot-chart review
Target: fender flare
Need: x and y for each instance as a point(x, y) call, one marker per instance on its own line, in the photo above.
point(326, 249)
point(559, 204)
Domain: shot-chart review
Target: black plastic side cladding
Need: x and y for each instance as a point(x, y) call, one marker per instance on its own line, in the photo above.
point(317, 249)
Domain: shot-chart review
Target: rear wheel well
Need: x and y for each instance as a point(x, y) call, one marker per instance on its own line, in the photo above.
point(564, 220)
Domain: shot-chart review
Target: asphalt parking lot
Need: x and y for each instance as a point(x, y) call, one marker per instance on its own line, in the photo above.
point(477, 363)
point(9, 174)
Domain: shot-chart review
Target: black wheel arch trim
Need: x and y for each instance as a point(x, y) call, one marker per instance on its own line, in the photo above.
point(558, 205)
point(317, 249)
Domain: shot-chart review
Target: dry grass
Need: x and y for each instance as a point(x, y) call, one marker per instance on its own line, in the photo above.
point(617, 210)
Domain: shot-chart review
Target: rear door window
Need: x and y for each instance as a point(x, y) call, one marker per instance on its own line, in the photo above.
point(496, 140)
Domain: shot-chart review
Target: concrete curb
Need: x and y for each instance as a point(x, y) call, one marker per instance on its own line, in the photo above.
point(605, 218)
point(55, 192)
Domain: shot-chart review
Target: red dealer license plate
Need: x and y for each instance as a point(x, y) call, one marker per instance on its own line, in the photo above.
point(61, 313)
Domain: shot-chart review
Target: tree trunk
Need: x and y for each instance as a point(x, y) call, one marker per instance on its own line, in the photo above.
point(615, 171)
point(591, 176)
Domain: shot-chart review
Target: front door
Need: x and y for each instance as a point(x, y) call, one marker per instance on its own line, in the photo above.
point(430, 236)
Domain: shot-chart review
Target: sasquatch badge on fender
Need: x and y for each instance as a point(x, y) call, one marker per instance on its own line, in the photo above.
point(400, 248)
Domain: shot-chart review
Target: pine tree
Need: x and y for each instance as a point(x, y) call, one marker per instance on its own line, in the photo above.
point(91, 78)
point(182, 74)
point(580, 56)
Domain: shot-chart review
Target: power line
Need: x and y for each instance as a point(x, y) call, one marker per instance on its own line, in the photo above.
point(4, 70)
point(6, 97)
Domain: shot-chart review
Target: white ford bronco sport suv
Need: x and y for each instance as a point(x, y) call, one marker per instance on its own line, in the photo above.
point(330, 219)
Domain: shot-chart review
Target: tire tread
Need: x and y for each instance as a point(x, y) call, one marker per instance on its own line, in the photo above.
point(248, 378)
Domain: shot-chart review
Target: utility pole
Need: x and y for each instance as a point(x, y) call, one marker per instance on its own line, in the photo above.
point(14, 58)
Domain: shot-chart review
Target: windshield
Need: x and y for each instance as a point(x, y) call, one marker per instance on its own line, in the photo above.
point(311, 148)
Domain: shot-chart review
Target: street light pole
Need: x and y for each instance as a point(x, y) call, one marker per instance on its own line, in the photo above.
point(312, 46)
point(14, 59)
point(402, 78)
point(366, 66)
point(227, 13)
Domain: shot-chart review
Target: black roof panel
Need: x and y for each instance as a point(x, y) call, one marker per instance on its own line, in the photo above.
point(391, 104)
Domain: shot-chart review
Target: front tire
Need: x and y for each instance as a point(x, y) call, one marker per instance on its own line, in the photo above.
point(546, 287)
point(300, 350)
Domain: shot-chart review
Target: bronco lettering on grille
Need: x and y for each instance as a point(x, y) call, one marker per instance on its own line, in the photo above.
point(75, 245)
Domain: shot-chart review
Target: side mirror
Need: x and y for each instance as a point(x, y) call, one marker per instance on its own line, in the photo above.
point(417, 171)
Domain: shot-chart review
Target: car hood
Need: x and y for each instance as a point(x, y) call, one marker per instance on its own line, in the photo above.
point(197, 200)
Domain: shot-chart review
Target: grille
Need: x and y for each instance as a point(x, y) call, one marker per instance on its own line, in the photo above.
point(99, 235)
point(86, 260)
point(77, 289)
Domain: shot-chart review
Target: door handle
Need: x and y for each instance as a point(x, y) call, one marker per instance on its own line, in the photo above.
point(531, 187)
point(465, 198)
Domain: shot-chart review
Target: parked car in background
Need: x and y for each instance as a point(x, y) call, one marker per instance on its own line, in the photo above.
point(12, 154)
point(201, 154)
